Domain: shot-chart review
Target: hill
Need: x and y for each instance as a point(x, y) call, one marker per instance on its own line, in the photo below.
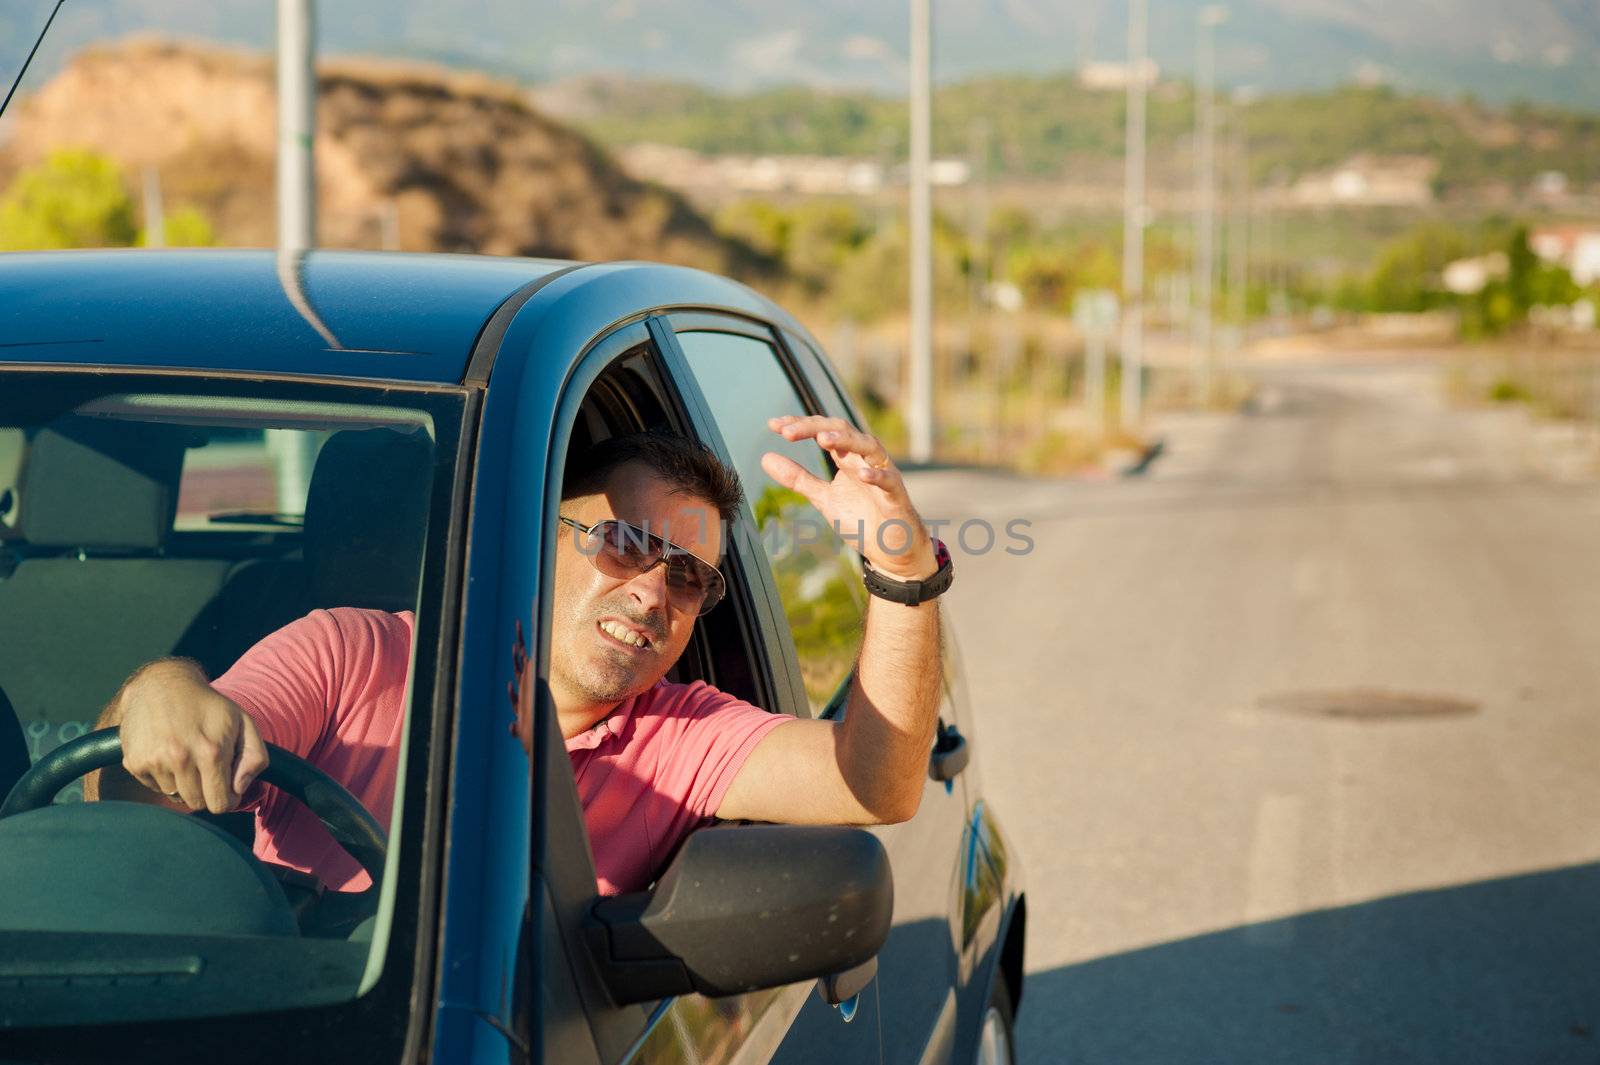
point(1051, 126)
point(439, 161)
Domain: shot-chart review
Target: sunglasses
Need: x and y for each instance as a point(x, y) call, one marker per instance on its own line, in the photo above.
point(624, 551)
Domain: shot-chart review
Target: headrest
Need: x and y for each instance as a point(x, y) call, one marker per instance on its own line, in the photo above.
point(366, 518)
point(101, 485)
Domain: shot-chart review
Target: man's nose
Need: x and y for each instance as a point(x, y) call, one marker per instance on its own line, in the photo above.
point(649, 589)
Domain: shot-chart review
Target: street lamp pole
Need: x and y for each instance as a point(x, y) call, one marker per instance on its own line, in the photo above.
point(1211, 16)
point(1239, 254)
point(297, 111)
point(1133, 222)
point(920, 408)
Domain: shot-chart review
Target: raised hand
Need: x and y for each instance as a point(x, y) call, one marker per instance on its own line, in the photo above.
point(866, 501)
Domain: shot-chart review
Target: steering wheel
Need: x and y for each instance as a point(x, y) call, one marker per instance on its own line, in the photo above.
point(341, 813)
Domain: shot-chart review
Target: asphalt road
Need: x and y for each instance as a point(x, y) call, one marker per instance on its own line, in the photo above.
point(1297, 734)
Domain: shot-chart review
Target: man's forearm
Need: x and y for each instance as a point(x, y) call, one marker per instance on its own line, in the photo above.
point(893, 708)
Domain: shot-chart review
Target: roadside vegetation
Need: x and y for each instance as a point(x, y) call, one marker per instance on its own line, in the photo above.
point(1044, 127)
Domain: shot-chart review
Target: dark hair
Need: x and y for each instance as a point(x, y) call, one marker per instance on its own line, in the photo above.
point(686, 465)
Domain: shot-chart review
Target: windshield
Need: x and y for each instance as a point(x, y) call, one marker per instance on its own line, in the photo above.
point(280, 539)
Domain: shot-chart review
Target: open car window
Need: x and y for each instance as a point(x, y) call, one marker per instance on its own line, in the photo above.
point(156, 517)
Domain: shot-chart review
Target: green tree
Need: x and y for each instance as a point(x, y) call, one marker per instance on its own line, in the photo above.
point(185, 228)
point(74, 199)
point(1521, 267)
point(1406, 277)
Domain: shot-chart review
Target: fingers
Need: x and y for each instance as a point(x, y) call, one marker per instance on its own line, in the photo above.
point(835, 434)
point(851, 448)
point(252, 756)
point(186, 783)
point(789, 473)
point(176, 777)
point(214, 766)
point(888, 478)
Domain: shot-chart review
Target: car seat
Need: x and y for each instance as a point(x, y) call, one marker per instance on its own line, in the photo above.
point(93, 598)
point(366, 519)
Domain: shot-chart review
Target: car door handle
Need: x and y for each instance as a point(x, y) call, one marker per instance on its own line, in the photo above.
point(951, 753)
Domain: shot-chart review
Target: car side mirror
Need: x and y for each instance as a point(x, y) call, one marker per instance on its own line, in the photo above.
point(744, 907)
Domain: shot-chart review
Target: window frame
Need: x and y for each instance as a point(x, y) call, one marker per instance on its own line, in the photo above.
point(793, 367)
point(402, 986)
point(563, 861)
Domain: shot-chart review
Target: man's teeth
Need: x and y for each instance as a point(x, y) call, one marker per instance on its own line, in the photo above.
point(626, 635)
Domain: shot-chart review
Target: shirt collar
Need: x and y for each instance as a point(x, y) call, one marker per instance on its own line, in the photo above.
point(607, 727)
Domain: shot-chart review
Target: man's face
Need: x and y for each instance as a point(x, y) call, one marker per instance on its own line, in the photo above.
point(588, 663)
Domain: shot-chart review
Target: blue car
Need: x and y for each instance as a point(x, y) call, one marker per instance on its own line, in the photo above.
point(197, 448)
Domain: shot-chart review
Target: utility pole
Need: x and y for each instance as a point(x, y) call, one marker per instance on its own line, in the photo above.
point(1239, 253)
point(1211, 16)
point(155, 217)
point(295, 452)
point(978, 253)
point(919, 414)
point(1134, 220)
point(297, 111)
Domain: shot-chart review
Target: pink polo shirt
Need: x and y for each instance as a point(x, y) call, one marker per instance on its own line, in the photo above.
point(655, 770)
point(331, 688)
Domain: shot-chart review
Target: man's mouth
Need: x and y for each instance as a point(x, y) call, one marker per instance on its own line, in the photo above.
point(625, 635)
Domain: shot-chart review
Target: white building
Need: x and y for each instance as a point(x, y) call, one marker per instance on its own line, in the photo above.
point(1467, 277)
point(1117, 76)
point(1575, 247)
point(1370, 181)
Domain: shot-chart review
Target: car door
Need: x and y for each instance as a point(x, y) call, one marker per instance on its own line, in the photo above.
point(746, 373)
point(730, 650)
point(958, 832)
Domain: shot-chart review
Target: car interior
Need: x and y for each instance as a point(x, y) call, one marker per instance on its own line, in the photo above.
point(101, 571)
point(99, 565)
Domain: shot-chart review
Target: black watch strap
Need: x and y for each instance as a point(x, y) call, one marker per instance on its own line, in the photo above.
point(910, 593)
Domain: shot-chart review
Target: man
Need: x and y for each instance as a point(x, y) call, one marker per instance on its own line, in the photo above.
point(653, 760)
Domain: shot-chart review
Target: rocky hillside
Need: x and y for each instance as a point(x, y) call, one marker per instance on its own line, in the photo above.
point(425, 158)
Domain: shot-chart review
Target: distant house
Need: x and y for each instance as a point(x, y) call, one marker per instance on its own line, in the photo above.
point(1370, 181)
point(810, 175)
point(1116, 76)
point(1550, 185)
point(1467, 277)
point(1576, 247)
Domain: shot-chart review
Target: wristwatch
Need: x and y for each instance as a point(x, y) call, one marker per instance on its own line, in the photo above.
point(910, 593)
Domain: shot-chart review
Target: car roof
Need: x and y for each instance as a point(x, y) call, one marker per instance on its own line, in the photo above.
point(376, 315)
point(385, 316)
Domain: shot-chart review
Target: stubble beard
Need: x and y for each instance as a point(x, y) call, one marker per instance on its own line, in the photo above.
point(605, 675)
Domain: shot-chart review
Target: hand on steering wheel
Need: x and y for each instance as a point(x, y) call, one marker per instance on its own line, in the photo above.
point(350, 824)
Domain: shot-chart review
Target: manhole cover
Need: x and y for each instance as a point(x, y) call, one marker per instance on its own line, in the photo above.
point(1367, 704)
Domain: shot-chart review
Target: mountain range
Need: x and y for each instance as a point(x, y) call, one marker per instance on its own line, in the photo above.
point(1495, 50)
